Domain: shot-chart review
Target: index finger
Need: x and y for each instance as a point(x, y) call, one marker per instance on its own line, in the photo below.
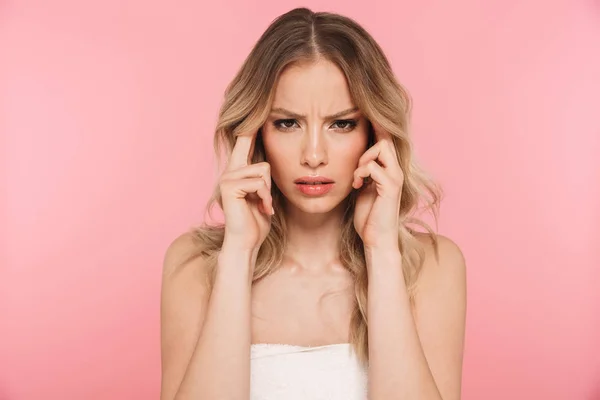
point(382, 135)
point(242, 150)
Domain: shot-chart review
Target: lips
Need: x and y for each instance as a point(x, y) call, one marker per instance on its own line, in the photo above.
point(314, 186)
point(313, 180)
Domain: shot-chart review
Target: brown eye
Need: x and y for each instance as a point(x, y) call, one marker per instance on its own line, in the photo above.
point(345, 124)
point(285, 124)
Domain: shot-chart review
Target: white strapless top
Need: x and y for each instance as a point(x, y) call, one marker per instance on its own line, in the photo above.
point(288, 372)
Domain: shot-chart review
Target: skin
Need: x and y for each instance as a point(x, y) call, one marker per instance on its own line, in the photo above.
point(309, 299)
point(313, 283)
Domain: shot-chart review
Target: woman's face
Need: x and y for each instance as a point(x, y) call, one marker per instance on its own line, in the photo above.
point(314, 131)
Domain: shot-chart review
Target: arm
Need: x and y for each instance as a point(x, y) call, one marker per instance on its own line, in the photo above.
point(416, 357)
point(205, 340)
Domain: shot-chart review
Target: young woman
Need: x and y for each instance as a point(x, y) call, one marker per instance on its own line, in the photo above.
point(316, 286)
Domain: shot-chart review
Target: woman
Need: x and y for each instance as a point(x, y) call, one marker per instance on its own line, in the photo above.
point(318, 193)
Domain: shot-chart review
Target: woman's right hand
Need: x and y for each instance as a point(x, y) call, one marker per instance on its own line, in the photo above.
point(246, 197)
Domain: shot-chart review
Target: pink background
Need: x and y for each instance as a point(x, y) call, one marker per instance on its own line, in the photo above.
point(107, 116)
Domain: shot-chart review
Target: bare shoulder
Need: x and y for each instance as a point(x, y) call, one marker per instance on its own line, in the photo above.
point(442, 261)
point(181, 254)
point(184, 297)
point(442, 281)
point(184, 278)
point(184, 288)
point(440, 312)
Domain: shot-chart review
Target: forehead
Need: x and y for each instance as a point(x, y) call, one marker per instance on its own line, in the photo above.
point(318, 86)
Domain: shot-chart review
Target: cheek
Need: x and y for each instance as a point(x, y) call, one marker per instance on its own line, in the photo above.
point(351, 151)
point(276, 153)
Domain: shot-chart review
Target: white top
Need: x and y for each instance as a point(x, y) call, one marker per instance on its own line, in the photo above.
point(288, 372)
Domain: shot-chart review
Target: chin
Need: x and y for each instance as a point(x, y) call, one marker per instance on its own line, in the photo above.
point(310, 206)
point(315, 205)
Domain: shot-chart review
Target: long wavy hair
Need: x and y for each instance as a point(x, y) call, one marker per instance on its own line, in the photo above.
point(302, 35)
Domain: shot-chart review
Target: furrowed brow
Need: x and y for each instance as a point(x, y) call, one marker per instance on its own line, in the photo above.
point(294, 115)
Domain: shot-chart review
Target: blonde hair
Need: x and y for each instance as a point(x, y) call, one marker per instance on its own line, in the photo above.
point(301, 35)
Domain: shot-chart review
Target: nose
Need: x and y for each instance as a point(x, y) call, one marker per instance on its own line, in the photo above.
point(314, 148)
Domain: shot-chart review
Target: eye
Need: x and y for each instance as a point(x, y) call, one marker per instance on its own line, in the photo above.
point(346, 124)
point(285, 124)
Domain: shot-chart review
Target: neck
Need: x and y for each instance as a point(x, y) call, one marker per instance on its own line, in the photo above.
point(313, 239)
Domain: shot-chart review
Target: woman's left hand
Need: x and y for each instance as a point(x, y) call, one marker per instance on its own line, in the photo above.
point(376, 215)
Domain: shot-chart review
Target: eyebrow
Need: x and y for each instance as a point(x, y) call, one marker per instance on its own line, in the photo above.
point(294, 115)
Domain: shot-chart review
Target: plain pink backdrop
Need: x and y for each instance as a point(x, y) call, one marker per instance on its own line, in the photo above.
point(107, 111)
